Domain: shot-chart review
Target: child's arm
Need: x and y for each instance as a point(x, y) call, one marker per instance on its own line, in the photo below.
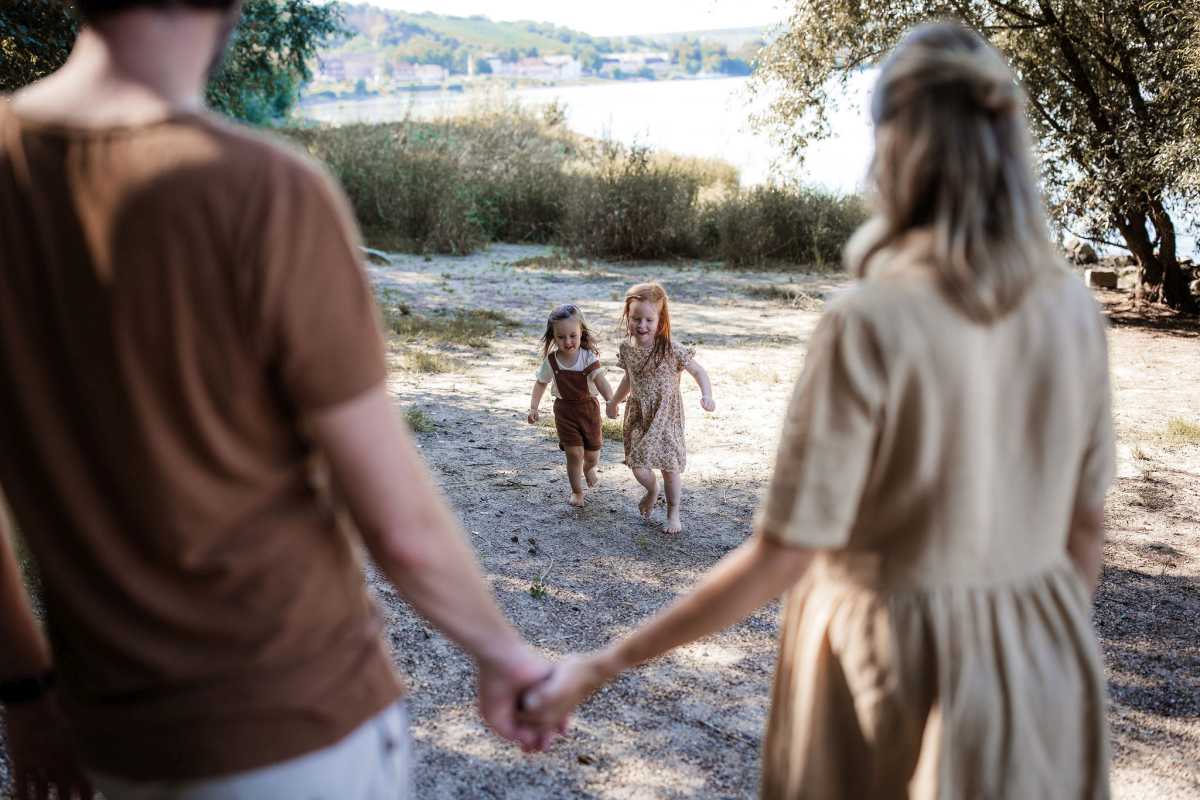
point(602, 385)
point(697, 371)
point(614, 402)
point(539, 389)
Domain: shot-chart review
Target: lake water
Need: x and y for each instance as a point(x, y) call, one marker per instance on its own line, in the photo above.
point(709, 118)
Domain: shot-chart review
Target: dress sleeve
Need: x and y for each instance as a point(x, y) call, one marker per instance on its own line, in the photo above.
point(828, 438)
point(683, 356)
point(621, 358)
point(1098, 465)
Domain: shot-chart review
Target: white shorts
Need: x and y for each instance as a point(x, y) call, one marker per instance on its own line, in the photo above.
point(371, 763)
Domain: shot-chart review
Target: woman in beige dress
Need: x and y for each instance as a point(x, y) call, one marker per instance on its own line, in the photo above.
point(936, 506)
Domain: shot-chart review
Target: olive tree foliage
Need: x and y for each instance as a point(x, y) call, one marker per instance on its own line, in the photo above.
point(258, 81)
point(1114, 100)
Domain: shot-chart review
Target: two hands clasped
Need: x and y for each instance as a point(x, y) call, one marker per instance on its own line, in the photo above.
point(535, 716)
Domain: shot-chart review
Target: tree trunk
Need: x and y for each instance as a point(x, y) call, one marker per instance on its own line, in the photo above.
point(1160, 277)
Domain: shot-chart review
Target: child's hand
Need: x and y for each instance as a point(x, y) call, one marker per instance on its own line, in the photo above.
point(533, 417)
point(614, 409)
point(708, 404)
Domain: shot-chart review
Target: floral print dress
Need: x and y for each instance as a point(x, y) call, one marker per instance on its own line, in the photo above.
point(654, 412)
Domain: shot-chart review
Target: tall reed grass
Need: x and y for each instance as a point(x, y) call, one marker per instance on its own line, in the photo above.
point(508, 173)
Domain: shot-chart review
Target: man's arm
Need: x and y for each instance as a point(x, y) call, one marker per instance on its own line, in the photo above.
point(416, 540)
point(43, 756)
point(25, 652)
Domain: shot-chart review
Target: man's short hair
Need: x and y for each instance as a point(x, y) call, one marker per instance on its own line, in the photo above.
point(92, 9)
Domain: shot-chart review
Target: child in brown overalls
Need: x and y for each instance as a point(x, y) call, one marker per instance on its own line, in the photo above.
point(572, 369)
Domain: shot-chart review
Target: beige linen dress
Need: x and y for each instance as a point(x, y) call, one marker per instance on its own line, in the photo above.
point(941, 646)
point(653, 425)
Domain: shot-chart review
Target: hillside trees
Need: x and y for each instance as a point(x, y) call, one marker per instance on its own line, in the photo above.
point(257, 82)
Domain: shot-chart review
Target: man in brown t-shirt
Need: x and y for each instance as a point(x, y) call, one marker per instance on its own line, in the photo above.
point(184, 323)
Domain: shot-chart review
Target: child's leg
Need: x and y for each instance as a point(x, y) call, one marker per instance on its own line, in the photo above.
point(674, 484)
point(646, 478)
point(575, 474)
point(590, 459)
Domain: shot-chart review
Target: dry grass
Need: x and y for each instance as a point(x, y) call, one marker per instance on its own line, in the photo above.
point(429, 363)
point(468, 328)
point(419, 421)
point(555, 261)
point(788, 296)
point(756, 374)
point(1180, 431)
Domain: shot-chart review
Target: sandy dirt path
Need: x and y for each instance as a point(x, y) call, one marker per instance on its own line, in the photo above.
point(689, 725)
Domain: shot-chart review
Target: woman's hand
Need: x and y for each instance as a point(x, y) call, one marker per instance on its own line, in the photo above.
point(708, 404)
point(549, 704)
point(534, 416)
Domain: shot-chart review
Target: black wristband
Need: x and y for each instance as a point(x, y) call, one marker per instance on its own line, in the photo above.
point(26, 690)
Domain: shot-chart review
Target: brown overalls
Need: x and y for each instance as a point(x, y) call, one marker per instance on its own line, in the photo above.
point(576, 412)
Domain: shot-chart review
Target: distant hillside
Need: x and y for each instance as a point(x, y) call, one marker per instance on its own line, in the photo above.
point(732, 38)
point(394, 49)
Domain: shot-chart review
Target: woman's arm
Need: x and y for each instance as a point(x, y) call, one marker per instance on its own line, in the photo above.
point(1085, 544)
point(742, 582)
point(539, 389)
point(700, 375)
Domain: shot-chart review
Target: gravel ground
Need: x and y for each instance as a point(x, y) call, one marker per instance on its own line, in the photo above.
point(689, 725)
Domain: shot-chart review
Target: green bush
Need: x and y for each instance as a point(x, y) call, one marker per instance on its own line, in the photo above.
point(772, 224)
point(631, 207)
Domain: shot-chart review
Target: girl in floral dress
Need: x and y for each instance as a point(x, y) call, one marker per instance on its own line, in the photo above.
point(654, 416)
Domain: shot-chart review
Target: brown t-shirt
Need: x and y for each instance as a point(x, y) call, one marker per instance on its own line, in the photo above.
point(173, 298)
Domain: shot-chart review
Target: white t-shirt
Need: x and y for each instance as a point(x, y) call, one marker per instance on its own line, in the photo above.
point(585, 359)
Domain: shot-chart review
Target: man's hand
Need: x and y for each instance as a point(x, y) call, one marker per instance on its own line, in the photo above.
point(43, 757)
point(501, 688)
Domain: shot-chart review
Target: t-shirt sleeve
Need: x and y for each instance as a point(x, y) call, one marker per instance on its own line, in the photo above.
point(545, 373)
point(828, 438)
point(1099, 456)
point(321, 331)
point(682, 355)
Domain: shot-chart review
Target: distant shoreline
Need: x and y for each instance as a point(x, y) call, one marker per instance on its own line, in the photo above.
point(466, 87)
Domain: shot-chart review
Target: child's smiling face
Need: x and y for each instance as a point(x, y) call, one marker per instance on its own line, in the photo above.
point(567, 334)
point(643, 322)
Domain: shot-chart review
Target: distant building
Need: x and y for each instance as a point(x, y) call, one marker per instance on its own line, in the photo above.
point(628, 63)
point(569, 68)
point(431, 73)
point(361, 66)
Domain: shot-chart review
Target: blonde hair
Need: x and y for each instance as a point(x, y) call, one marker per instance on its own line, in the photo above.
point(653, 293)
point(952, 158)
point(565, 312)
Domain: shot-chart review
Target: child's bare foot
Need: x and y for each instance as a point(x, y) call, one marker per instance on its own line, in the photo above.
point(578, 499)
point(673, 524)
point(592, 477)
point(647, 503)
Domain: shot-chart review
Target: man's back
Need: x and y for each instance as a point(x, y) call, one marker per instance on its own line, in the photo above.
point(173, 297)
